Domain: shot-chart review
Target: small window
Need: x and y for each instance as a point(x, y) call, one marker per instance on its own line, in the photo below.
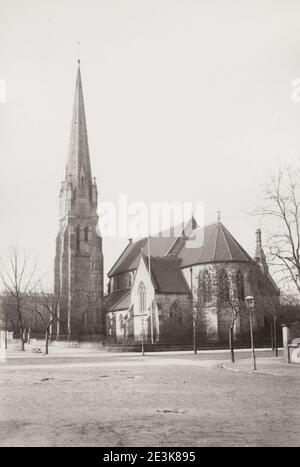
point(86, 234)
point(142, 297)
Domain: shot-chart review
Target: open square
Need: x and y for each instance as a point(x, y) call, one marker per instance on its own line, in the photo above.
point(82, 399)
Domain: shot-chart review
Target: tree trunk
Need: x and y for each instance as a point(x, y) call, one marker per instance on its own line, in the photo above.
point(195, 337)
point(275, 336)
point(272, 337)
point(231, 345)
point(5, 336)
point(21, 330)
point(143, 346)
point(47, 341)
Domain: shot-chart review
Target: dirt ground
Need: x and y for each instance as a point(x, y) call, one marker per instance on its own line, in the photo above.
point(172, 400)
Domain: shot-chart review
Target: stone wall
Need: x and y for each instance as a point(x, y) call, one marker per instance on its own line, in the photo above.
point(215, 316)
point(174, 313)
point(79, 281)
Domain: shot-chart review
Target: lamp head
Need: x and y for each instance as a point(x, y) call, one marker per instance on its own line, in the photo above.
point(249, 301)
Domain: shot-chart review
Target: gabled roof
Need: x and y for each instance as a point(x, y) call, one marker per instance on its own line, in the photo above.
point(217, 245)
point(166, 275)
point(159, 244)
point(117, 301)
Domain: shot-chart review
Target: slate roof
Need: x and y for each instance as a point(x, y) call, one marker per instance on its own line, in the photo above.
point(216, 244)
point(117, 301)
point(167, 275)
point(160, 245)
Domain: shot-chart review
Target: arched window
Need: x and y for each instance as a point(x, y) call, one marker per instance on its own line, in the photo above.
point(223, 286)
point(206, 287)
point(86, 234)
point(240, 285)
point(78, 238)
point(142, 297)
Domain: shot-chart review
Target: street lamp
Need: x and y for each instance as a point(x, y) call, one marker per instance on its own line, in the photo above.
point(250, 306)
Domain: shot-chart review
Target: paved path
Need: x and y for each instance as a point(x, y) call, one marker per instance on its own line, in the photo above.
point(268, 366)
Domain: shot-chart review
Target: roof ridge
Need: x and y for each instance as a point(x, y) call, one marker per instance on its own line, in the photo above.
point(238, 245)
point(153, 279)
point(224, 236)
point(217, 225)
point(184, 226)
point(116, 262)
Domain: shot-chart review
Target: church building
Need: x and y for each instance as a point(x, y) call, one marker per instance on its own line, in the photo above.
point(78, 277)
point(160, 296)
point(160, 286)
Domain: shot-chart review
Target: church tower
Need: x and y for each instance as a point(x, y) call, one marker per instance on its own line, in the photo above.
point(79, 260)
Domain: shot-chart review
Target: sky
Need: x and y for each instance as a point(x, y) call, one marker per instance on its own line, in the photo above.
point(186, 100)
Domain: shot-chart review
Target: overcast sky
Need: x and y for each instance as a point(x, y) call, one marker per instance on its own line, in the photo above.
point(186, 100)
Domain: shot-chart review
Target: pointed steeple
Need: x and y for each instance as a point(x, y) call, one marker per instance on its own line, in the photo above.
point(78, 166)
point(78, 193)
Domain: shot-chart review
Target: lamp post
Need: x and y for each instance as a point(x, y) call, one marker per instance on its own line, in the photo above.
point(250, 306)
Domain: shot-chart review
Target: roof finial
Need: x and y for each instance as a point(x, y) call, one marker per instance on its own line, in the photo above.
point(219, 216)
point(78, 61)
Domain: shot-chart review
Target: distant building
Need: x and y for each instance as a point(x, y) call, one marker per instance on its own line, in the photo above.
point(157, 297)
point(79, 259)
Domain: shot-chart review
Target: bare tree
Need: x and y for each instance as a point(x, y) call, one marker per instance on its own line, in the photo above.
point(46, 306)
point(282, 207)
point(271, 307)
point(237, 308)
point(7, 316)
point(231, 296)
point(86, 301)
point(18, 275)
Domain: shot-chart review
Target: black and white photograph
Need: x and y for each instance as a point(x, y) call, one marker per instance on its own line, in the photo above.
point(150, 226)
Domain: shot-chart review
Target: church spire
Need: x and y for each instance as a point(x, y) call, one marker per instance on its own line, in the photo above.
point(78, 166)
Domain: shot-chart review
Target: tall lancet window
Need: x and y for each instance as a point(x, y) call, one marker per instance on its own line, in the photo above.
point(206, 287)
point(240, 286)
point(223, 286)
point(86, 234)
point(78, 238)
point(142, 297)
